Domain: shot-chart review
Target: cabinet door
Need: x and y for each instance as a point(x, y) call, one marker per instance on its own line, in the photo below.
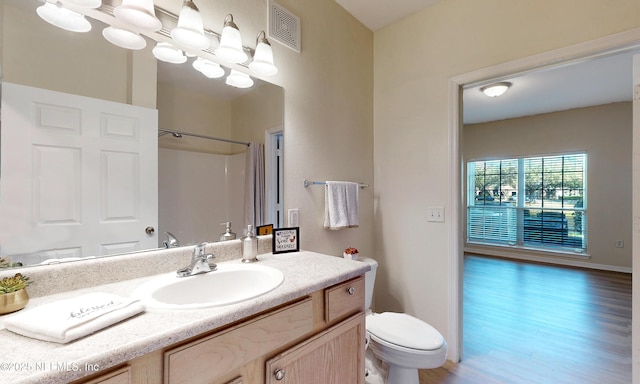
point(335, 356)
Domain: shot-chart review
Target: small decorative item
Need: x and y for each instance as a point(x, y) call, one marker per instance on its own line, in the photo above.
point(13, 293)
point(351, 253)
point(286, 240)
point(265, 229)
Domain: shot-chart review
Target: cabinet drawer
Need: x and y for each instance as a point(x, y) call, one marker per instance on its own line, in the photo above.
point(209, 358)
point(121, 376)
point(344, 299)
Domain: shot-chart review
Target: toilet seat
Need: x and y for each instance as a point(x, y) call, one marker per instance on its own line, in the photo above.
point(404, 330)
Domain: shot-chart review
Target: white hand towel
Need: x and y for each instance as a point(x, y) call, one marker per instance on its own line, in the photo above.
point(341, 205)
point(70, 319)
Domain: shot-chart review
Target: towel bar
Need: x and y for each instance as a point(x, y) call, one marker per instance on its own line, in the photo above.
point(308, 183)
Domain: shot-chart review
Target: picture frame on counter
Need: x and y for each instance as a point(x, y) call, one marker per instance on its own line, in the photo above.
point(286, 240)
point(265, 229)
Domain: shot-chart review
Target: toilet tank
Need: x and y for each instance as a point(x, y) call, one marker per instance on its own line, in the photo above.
point(369, 280)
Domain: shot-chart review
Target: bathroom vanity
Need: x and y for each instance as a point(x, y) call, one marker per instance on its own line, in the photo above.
point(310, 329)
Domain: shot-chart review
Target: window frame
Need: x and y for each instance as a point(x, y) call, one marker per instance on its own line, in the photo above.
point(506, 216)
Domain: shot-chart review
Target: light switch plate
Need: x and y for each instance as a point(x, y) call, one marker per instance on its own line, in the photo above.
point(293, 217)
point(435, 214)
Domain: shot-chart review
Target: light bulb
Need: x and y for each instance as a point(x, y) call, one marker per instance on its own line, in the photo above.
point(239, 79)
point(138, 13)
point(168, 53)
point(56, 14)
point(190, 30)
point(230, 48)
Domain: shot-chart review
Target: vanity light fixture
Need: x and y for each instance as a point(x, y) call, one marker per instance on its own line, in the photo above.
point(230, 48)
point(239, 79)
point(168, 53)
point(138, 13)
point(262, 63)
point(55, 14)
point(124, 38)
point(86, 3)
point(208, 68)
point(496, 89)
point(190, 30)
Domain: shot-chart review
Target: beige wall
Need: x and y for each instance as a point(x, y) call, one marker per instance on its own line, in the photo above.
point(185, 110)
point(38, 54)
point(328, 120)
point(257, 111)
point(414, 60)
point(604, 133)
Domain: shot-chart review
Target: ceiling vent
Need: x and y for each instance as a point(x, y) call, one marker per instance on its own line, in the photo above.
point(284, 26)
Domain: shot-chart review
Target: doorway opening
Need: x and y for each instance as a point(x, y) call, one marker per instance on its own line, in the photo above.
point(618, 43)
point(274, 171)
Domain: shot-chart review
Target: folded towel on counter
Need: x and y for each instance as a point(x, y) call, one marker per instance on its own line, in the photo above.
point(68, 320)
point(341, 205)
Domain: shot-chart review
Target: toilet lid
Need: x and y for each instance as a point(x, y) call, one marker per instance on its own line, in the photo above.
point(404, 330)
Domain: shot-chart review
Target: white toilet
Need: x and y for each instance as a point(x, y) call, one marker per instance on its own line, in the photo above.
point(403, 342)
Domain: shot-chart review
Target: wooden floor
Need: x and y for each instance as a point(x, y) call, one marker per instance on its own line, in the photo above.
point(534, 323)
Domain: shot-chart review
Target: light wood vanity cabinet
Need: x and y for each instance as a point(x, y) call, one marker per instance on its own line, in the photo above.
point(316, 339)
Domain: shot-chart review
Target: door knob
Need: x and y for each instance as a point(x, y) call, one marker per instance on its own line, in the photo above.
point(149, 230)
point(279, 374)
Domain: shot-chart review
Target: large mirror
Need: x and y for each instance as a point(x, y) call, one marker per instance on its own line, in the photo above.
point(204, 128)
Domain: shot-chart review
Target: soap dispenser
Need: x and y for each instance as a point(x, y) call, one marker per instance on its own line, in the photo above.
point(227, 235)
point(249, 246)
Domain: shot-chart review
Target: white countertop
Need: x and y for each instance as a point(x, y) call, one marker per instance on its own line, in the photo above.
point(26, 360)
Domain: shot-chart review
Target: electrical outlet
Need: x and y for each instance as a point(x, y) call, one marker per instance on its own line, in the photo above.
point(619, 244)
point(293, 217)
point(435, 214)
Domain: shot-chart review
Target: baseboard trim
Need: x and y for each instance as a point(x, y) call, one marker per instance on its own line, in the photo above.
point(545, 259)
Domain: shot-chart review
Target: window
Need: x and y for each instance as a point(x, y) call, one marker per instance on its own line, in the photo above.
point(529, 202)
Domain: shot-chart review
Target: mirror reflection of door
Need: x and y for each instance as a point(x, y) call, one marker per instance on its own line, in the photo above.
point(274, 174)
point(53, 200)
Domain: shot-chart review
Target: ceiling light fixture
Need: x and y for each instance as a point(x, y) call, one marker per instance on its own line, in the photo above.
point(239, 79)
point(61, 17)
point(168, 53)
point(262, 63)
point(86, 3)
point(190, 30)
point(497, 89)
point(124, 38)
point(138, 13)
point(230, 48)
point(208, 68)
point(132, 19)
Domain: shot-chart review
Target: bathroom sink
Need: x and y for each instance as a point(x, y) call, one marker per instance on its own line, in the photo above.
point(228, 284)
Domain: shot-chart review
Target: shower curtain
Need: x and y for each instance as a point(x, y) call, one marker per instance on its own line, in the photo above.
point(254, 185)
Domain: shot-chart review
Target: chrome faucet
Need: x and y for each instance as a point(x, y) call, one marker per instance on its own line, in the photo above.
point(171, 241)
point(201, 263)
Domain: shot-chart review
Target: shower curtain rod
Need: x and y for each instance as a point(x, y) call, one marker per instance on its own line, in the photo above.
point(163, 132)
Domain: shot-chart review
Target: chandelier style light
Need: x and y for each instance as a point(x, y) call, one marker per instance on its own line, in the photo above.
point(55, 14)
point(132, 18)
point(262, 63)
point(124, 38)
point(138, 13)
point(190, 30)
point(239, 79)
point(230, 48)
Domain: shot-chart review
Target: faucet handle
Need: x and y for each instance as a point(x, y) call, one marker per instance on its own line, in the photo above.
point(198, 251)
point(209, 259)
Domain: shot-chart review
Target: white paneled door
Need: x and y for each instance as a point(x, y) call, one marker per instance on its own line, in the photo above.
point(78, 175)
